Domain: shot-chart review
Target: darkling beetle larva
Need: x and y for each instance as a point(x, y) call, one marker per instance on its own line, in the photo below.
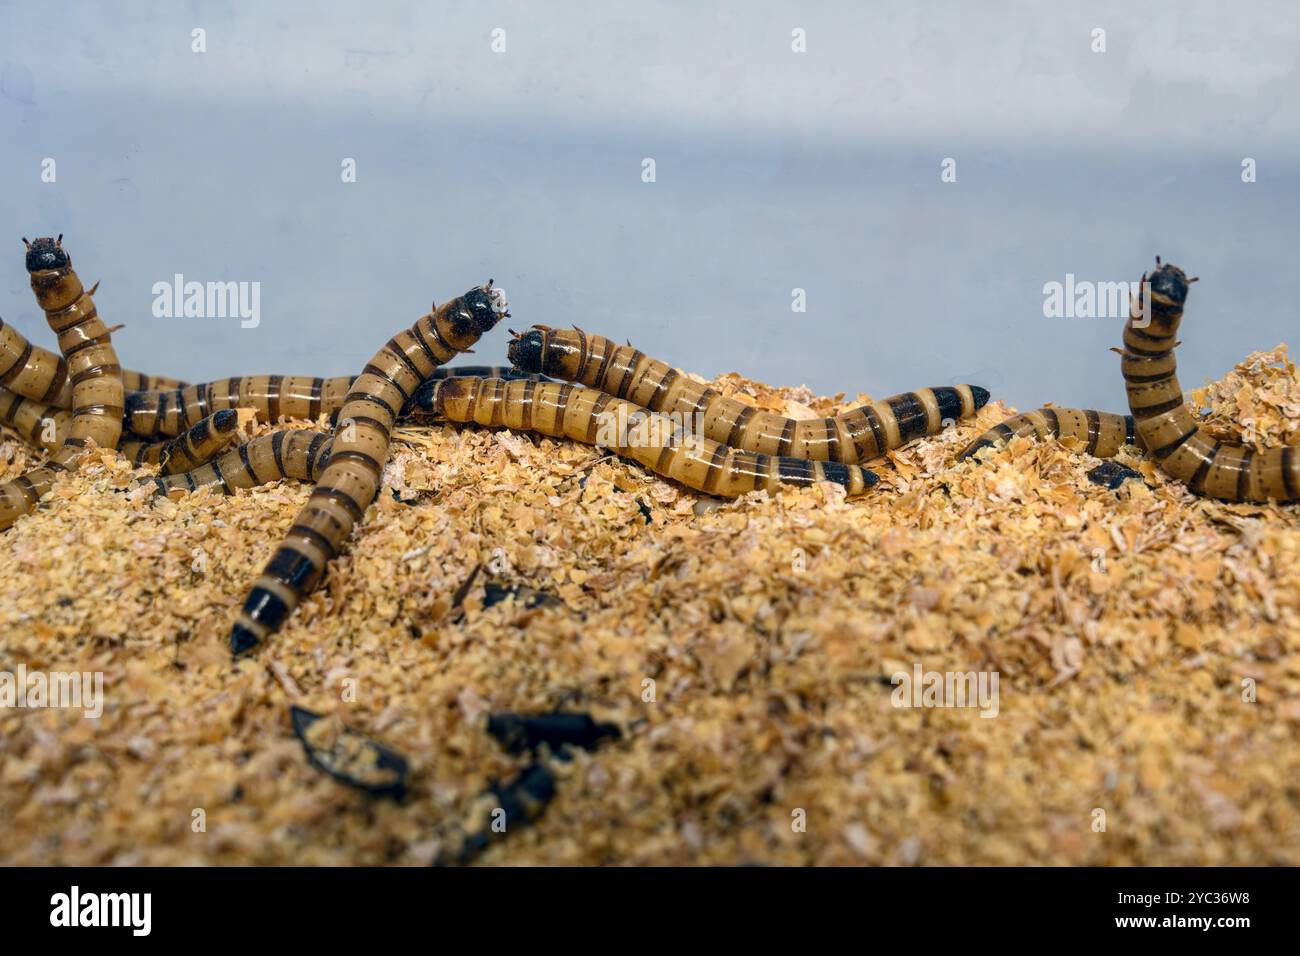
point(1163, 421)
point(351, 478)
point(1161, 424)
point(855, 436)
point(1103, 434)
point(563, 410)
point(550, 408)
point(44, 426)
point(169, 411)
point(298, 453)
point(92, 369)
point(42, 375)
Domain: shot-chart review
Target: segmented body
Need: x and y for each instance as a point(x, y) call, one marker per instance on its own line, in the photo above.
point(1165, 424)
point(857, 435)
point(44, 426)
point(1102, 434)
point(288, 453)
point(175, 455)
point(595, 417)
point(92, 368)
point(350, 480)
point(41, 375)
point(171, 411)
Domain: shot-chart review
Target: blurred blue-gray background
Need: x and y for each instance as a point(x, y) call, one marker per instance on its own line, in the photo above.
point(774, 170)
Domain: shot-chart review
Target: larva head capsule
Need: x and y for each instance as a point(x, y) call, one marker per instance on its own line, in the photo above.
point(527, 352)
point(46, 253)
point(485, 306)
point(1169, 285)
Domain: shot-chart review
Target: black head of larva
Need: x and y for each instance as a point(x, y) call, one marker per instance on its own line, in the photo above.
point(484, 306)
point(525, 351)
point(46, 253)
point(1169, 284)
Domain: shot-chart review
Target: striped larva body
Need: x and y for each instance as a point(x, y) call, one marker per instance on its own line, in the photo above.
point(42, 375)
point(31, 371)
point(180, 454)
point(855, 436)
point(92, 368)
point(151, 413)
point(350, 480)
point(1165, 424)
point(40, 425)
point(1102, 434)
point(134, 381)
point(564, 410)
point(44, 426)
point(299, 453)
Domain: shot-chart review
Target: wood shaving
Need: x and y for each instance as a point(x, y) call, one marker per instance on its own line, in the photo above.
point(1145, 640)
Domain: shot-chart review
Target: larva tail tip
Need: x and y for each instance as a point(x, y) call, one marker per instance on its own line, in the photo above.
point(242, 640)
point(980, 396)
point(225, 420)
point(869, 477)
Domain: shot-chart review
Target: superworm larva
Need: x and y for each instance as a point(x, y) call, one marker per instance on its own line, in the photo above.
point(1163, 421)
point(301, 453)
point(298, 453)
point(855, 436)
point(563, 410)
point(1103, 434)
point(42, 375)
point(351, 479)
point(187, 451)
point(92, 368)
point(44, 426)
point(170, 411)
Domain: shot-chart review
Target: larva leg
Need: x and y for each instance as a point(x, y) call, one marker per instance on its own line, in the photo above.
point(351, 479)
point(92, 368)
point(1165, 424)
point(289, 453)
point(595, 417)
point(40, 425)
point(1103, 434)
point(857, 435)
point(187, 451)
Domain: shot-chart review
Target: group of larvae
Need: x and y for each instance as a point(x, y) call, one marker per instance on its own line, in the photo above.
point(563, 383)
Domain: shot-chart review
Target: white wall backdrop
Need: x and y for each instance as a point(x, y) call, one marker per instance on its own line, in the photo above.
point(775, 170)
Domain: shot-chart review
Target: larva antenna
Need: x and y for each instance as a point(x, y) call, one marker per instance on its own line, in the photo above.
point(1193, 279)
point(1157, 260)
point(59, 241)
point(26, 243)
point(94, 288)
